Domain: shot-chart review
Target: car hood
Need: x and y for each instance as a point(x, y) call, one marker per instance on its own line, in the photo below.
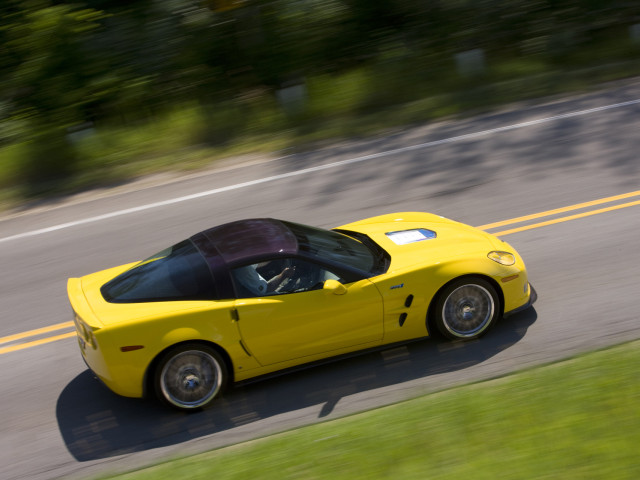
point(407, 237)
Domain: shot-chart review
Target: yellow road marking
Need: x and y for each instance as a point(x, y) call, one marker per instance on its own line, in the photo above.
point(35, 343)
point(60, 326)
point(37, 331)
point(566, 219)
point(559, 210)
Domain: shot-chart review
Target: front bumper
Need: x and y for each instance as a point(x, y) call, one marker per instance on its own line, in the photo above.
point(533, 296)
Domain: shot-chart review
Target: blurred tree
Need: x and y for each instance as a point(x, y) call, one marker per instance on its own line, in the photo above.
point(64, 64)
point(45, 78)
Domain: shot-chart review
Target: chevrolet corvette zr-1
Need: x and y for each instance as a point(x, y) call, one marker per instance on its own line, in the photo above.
point(253, 297)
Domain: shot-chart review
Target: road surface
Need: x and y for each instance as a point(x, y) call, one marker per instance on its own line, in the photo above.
point(579, 152)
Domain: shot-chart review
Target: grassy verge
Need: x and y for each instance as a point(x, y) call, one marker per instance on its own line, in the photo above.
point(578, 418)
point(361, 102)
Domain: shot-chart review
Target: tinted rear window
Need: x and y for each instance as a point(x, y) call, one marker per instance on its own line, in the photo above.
point(177, 273)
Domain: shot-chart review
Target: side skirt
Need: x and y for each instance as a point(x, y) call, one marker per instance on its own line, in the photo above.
point(325, 361)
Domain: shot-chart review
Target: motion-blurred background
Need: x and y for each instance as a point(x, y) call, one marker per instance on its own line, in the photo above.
point(94, 92)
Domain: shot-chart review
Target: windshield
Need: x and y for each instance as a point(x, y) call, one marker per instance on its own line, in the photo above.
point(334, 247)
point(177, 273)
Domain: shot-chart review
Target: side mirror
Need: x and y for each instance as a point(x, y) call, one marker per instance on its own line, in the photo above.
point(334, 287)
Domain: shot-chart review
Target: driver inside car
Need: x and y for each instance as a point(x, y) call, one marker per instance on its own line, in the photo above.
point(254, 282)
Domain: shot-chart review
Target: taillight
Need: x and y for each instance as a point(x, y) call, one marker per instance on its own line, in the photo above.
point(85, 332)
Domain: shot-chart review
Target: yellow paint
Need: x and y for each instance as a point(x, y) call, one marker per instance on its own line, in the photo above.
point(566, 219)
point(282, 328)
point(559, 210)
point(38, 331)
point(286, 330)
point(35, 343)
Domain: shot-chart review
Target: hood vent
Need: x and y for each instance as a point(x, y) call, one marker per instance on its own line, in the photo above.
point(404, 237)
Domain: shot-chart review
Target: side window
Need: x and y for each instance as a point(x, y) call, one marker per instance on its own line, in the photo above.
point(279, 277)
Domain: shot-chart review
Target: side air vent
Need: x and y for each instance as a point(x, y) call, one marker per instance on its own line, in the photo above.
point(403, 317)
point(408, 301)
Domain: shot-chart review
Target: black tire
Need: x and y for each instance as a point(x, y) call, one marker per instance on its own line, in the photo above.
point(466, 308)
point(190, 376)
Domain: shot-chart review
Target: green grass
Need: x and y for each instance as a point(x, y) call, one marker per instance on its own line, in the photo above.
point(577, 419)
point(366, 100)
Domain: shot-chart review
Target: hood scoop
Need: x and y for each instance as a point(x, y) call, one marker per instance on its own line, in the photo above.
point(404, 237)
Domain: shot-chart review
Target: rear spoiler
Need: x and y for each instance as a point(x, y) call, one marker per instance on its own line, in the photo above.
point(80, 304)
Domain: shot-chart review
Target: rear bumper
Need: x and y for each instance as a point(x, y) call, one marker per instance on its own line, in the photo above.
point(533, 296)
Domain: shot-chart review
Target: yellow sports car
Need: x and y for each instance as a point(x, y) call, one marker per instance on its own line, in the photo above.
point(253, 297)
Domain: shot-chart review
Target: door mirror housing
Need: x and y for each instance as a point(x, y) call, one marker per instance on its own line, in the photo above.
point(334, 287)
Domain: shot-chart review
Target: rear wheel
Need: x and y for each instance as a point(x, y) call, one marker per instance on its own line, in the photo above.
point(467, 308)
point(190, 376)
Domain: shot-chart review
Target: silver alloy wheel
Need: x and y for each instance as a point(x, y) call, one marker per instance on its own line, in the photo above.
point(468, 310)
point(190, 379)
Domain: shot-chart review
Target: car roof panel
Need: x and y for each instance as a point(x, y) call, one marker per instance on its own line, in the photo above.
point(250, 239)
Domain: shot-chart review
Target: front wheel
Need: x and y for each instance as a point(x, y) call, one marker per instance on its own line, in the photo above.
point(467, 308)
point(190, 376)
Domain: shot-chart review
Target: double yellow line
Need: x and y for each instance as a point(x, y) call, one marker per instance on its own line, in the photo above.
point(12, 339)
point(34, 334)
point(558, 211)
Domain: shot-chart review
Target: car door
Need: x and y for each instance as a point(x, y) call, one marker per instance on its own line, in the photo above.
point(301, 319)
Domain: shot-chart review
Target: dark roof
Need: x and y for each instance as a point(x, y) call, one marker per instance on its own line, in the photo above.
point(249, 239)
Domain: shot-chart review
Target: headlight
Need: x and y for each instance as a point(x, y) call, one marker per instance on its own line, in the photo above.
point(503, 258)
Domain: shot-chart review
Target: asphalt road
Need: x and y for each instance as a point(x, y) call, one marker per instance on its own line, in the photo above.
point(58, 421)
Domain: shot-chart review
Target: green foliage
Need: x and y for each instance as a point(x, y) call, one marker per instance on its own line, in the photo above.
point(104, 66)
point(45, 85)
point(575, 419)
